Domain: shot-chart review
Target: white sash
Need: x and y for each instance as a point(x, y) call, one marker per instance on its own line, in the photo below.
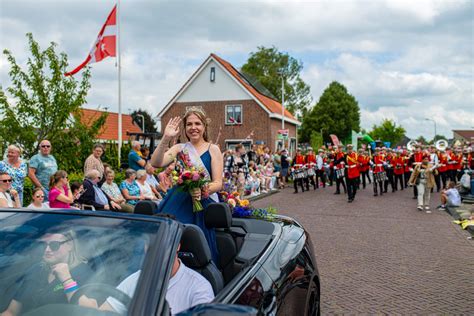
point(189, 149)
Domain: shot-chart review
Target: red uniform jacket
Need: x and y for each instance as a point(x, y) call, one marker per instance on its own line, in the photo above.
point(311, 159)
point(339, 155)
point(443, 162)
point(378, 161)
point(352, 165)
point(398, 165)
point(299, 160)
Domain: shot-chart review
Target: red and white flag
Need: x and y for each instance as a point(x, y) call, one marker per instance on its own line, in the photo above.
point(104, 46)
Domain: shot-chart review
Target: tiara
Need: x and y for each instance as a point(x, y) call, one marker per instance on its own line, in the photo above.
point(195, 108)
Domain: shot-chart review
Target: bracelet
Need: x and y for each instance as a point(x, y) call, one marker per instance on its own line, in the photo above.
point(67, 280)
point(71, 289)
point(70, 285)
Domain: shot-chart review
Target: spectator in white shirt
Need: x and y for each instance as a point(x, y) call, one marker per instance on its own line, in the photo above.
point(145, 188)
point(151, 179)
point(450, 196)
point(186, 288)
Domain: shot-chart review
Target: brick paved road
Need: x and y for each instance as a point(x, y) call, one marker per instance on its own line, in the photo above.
point(381, 255)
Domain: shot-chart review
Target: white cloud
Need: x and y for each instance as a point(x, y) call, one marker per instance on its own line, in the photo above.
point(387, 53)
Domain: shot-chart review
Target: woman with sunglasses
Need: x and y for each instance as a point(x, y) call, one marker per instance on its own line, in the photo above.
point(16, 168)
point(55, 279)
point(60, 194)
point(8, 196)
point(38, 200)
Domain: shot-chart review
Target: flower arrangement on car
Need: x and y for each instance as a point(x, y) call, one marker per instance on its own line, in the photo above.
point(242, 208)
point(190, 178)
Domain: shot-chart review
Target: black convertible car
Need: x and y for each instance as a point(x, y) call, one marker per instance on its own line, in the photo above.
point(265, 267)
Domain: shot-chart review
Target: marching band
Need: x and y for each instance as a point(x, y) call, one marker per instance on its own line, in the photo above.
point(385, 167)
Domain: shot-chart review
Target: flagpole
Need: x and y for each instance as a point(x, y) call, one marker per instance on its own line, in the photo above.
point(119, 86)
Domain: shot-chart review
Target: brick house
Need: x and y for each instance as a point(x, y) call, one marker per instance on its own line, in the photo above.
point(109, 131)
point(466, 136)
point(234, 104)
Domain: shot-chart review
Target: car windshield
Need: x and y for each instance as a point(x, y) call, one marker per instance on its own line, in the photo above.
point(47, 258)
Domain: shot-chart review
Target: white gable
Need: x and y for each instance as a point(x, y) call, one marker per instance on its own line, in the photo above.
point(223, 88)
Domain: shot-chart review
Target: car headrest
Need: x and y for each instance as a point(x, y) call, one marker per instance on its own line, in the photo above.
point(194, 251)
point(145, 207)
point(218, 215)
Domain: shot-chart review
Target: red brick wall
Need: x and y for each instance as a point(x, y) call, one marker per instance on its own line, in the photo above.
point(253, 117)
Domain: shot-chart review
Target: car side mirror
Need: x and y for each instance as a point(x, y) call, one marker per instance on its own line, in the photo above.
point(219, 309)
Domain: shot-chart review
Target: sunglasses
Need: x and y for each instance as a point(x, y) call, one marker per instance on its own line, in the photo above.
point(39, 196)
point(45, 146)
point(53, 245)
point(7, 180)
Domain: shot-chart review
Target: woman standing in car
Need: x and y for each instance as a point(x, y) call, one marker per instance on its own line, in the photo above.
point(202, 153)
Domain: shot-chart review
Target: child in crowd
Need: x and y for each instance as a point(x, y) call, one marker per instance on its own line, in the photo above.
point(38, 200)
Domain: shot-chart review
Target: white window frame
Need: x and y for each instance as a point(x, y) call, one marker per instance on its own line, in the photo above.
point(231, 143)
point(241, 114)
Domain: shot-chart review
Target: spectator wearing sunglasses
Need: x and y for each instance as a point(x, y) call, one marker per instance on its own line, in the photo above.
point(38, 200)
point(8, 196)
point(56, 278)
point(42, 166)
point(60, 194)
point(16, 168)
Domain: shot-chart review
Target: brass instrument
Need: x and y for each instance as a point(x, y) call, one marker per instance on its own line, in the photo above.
point(411, 145)
point(441, 144)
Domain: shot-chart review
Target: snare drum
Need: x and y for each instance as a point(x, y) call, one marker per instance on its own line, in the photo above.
point(311, 172)
point(300, 174)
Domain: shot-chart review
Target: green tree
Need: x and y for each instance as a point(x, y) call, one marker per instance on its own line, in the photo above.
point(421, 140)
point(316, 140)
point(437, 137)
point(44, 104)
point(337, 112)
point(150, 126)
point(268, 65)
point(387, 131)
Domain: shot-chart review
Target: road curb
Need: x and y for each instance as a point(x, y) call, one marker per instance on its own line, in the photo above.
point(261, 196)
point(452, 211)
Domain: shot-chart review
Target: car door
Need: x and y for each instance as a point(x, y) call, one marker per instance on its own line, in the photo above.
point(149, 298)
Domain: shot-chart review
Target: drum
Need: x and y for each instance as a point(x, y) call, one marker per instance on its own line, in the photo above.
point(300, 174)
point(311, 172)
point(339, 173)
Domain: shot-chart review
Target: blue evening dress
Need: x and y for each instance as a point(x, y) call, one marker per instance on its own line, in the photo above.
point(180, 204)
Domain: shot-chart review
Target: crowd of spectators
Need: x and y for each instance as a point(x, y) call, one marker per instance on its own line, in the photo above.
point(251, 173)
point(97, 191)
point(255, 171)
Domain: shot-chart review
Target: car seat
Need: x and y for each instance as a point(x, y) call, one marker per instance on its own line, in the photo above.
point(196, 254)
point(145, 207)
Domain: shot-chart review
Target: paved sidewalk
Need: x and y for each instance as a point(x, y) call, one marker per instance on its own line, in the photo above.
point(381, 255)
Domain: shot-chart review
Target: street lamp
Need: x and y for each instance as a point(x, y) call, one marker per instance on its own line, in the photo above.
point(143, 121)
point(428, 119)
point(282, 74)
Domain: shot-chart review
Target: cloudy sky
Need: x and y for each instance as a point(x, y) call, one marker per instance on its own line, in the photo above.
point(402, 59)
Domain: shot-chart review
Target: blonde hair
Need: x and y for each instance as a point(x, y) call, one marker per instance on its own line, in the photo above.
point(74, 258)
point(14, 147)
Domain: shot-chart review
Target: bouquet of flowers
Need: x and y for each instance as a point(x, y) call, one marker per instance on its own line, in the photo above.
point(190, 179)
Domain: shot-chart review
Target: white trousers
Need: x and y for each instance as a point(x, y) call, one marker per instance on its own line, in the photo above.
point(424, 193)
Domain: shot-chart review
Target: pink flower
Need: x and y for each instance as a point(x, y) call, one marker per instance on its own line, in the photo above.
point(231, 202)
point(180, 181)
point(196, 176)
point(186, 175)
